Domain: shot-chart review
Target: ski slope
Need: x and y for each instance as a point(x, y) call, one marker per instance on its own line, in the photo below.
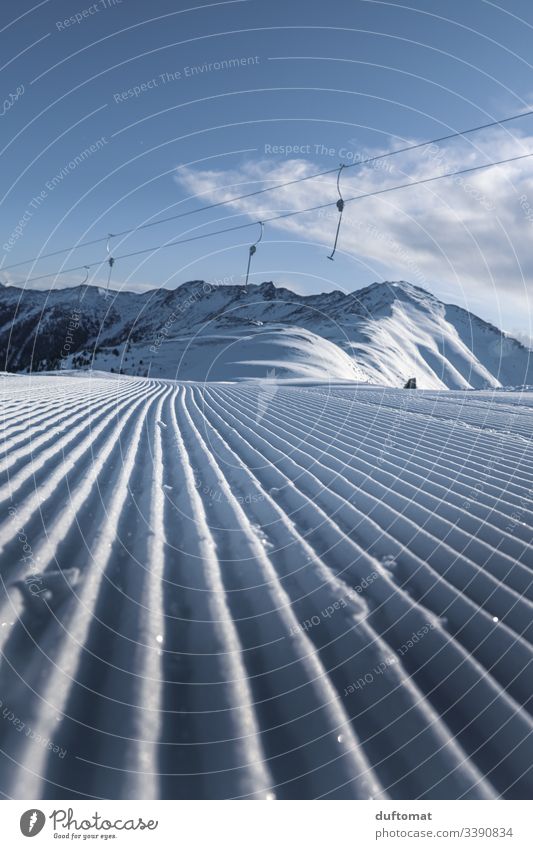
point(264, 590)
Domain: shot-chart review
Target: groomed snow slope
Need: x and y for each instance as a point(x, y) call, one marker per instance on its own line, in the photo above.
point(262, 591)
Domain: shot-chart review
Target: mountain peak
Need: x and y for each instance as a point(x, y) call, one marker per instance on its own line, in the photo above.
point(268, 290)
point(397, 289)
point(189, 284)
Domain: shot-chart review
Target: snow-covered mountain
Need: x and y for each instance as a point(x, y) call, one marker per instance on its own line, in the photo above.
point(382, 334)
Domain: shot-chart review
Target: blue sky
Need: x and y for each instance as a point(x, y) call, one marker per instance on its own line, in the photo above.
point(163, 107)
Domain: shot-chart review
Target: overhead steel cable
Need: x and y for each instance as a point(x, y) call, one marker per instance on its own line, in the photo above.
point(257, 192)
point(284, 215)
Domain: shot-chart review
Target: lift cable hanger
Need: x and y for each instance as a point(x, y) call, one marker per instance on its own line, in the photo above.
point(81, 293)
point(340, 207)
point(217, 204)
point(283, 215)
point(110, 260)
point(252, 251)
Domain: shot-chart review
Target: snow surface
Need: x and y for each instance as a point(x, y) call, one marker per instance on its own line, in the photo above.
point(264, 590)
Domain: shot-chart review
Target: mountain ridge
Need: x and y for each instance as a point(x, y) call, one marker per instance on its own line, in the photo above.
point(384, 333)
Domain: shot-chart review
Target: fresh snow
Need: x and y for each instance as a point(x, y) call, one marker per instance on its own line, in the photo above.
point(287, 588)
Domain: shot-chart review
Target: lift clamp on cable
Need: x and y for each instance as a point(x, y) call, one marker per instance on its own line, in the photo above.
point(251, 252)
point(340, 207)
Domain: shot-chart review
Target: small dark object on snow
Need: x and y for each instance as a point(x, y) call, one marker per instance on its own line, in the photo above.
point(411, 383)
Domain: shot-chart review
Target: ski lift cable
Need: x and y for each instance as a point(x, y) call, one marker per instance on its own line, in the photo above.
point(284, 215)
point(257, 192)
